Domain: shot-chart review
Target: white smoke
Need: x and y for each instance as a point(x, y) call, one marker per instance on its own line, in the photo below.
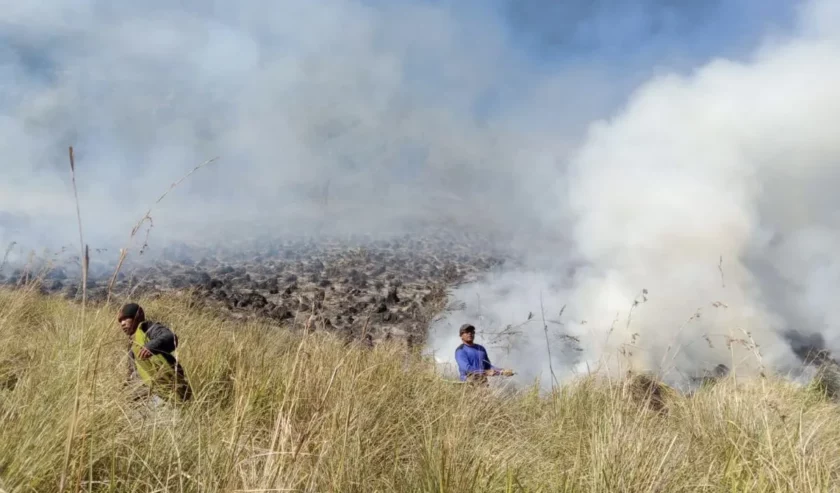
point(374, 106)
point(392, 110)
point(698, 193)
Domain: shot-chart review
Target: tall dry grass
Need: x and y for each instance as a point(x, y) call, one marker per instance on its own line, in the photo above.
point(277, 410)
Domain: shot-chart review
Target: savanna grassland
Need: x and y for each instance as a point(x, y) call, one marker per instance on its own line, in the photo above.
point(302, 409)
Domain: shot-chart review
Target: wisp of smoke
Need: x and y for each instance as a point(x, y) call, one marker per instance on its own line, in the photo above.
point(705, 218)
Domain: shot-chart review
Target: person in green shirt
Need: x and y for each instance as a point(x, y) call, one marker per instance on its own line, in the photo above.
point(151, 357)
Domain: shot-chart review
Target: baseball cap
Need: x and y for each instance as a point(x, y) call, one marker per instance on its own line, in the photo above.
point(466, 328)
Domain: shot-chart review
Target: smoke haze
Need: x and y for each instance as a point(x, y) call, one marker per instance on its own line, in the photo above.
point(390, 109)
point(614, 146)
point(704, 219)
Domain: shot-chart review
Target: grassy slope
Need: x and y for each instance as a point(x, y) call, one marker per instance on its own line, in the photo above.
point(276, 411)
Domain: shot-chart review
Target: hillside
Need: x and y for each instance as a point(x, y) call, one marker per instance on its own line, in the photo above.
point(361, 288)
point(306, 410)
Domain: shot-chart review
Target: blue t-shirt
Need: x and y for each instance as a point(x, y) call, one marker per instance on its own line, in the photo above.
point(472, 359)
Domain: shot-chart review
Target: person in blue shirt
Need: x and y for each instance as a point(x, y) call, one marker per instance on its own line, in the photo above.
point(473, 363)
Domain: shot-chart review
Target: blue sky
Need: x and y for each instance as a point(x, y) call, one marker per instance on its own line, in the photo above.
point(641, 31)
point(626, 33)
point(630, 40)
point(623, 41)
point(627, 39)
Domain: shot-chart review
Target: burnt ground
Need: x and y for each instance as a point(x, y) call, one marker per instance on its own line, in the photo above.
point(363, 289)
point(369, 290)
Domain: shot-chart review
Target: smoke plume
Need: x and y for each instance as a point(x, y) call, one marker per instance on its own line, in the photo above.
point(704, 225)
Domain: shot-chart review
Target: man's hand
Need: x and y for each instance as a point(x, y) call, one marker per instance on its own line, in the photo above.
point(145, 353)
point(491, 373)
point(507, 373)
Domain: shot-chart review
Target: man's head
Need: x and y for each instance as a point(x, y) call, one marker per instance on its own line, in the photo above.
point(467, 333)
point(130, 317)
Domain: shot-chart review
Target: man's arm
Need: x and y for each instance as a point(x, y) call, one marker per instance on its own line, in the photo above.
point(487, 364)
point(495, 370)
point(161, 339)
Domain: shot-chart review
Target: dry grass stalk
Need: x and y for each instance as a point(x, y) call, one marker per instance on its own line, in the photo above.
point(123, 254)
point(147, 217)
point(6, 255)
point(548, 342)
point(71, 432)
